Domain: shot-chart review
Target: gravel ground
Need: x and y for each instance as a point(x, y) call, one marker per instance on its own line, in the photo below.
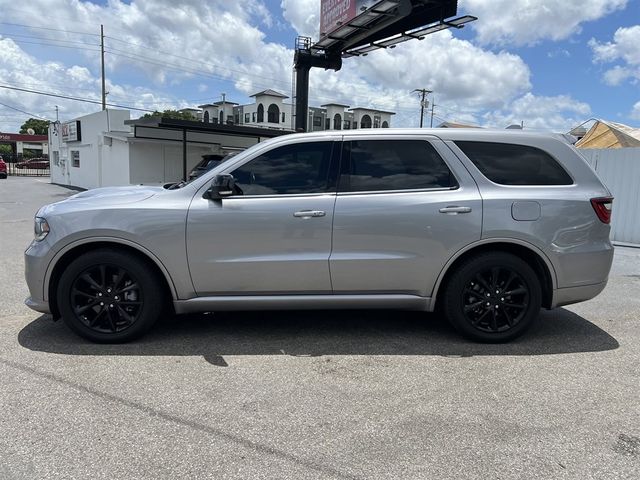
point(315, 395)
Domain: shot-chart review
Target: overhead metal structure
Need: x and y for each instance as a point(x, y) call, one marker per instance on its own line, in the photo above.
point(357, 27)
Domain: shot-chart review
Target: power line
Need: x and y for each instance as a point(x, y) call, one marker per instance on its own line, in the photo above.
point(48, 28)
point(78, 99)
point(21, 111)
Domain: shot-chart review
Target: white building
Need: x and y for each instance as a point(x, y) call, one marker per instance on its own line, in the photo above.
point(269, 110)
point(108, 149)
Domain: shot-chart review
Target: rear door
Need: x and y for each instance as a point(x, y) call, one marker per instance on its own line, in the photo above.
point(405, 205)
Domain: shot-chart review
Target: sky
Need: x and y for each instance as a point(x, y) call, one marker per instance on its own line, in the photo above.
point(547, 64)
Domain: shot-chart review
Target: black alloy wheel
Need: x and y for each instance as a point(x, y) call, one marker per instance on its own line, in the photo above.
point(109, 296)
point(493, 297)
point(106, 298)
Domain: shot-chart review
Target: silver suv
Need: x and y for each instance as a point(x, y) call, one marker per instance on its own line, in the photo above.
point(486, 227)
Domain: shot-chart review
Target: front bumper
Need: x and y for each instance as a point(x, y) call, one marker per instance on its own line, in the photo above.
point(37, 305)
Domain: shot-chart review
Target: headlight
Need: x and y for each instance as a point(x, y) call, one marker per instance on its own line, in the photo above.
point(40, 229)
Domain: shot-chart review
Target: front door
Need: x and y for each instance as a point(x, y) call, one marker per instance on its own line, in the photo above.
point(273, 236)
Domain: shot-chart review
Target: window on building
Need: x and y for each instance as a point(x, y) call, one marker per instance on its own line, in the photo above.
point(291, 169)
point(355, 125)
point(337, 121)
point(376, 122)
point(327, 124)
point(283, 117)
point(394, 165)
point(273, 113)
point(317, 121)
point(260, 113)
point(236, 118)
point(75, 158)
point(254, 117)
point(247, 118)
point(222, 116)
point(385, 124)
point(509, 164)
point(206, 116)
point(365, 121)
point(347, 124)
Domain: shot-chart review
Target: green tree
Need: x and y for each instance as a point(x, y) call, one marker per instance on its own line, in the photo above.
point(171, 114)
point(40, 127)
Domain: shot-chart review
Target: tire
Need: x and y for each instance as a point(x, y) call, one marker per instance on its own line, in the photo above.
point(110, 296)
point(493, 297)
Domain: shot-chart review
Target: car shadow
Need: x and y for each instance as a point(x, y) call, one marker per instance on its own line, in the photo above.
point(317, 333)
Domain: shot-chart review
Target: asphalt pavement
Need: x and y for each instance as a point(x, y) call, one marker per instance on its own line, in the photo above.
point(315, 395)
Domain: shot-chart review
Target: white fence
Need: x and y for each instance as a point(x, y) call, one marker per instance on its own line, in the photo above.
point(619, 169)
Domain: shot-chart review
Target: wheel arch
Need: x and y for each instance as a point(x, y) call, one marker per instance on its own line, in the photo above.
point(66, 255)
point(530, 253)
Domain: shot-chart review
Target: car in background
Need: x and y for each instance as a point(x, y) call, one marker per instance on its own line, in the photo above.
point(3, 168)
point(38, 163)
point(207, 163)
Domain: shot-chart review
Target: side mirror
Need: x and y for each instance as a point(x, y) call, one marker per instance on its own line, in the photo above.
point(222, 186)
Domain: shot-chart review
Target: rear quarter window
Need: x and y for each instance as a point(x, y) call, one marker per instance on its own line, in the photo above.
point(510, 164)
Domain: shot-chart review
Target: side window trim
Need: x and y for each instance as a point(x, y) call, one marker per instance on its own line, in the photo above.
point(344, 176)
point(332, 171)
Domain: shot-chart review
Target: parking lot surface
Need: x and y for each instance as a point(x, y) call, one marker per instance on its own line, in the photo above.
point(315, 395)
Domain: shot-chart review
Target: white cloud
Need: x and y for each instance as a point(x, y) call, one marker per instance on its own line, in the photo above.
point(625, 48)
point(558, 113)
point(525, 22)
point(304, 15)
point(635, 112)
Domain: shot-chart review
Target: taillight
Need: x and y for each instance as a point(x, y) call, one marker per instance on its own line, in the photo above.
point(602, 206)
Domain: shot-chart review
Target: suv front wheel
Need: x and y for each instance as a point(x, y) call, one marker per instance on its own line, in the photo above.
point(109, 296)
point(493, 297)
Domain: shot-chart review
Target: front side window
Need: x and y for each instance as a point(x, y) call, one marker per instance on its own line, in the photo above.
point(509, 164)
point(291, 169)
point(374, 165)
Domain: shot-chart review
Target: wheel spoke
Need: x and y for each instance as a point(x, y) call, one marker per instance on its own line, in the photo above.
point(112, 324)
point(515, 305)
point(103, 275)
point(512, 277)
point(494, 320)
point(121, 274)
point(517, 291)
point(75, 291)
point(468, 308)
point(81, 310)
point(482, 282)
point(495, 274)
point(129, 303)
point(87, 278)
point(133, 286)
point(93, 322)
point(507, 317)
point(479, 319)
point(123, 313)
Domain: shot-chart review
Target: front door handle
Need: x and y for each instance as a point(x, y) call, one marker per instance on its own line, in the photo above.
point(309, 213)
point(455, 210)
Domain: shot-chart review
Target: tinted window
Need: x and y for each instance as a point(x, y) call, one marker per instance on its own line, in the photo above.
point(509, 164)
point(394, 165)
point(299, 168)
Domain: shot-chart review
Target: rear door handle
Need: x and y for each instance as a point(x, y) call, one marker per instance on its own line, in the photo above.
point(455, 210)
point(309, 213)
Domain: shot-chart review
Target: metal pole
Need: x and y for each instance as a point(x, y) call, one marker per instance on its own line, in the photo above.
point(104, 91)
point(302, 97)
point(423, 102)
point(184, 154)
point(433, 104)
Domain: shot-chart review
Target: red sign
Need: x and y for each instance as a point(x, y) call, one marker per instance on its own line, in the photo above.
point(18, 137)
point(334, 13)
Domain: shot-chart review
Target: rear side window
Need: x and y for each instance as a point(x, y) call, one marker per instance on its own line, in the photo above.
point(509, 164)
point(374, 165)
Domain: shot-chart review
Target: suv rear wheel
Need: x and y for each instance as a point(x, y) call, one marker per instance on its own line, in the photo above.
point(493, 297)
point(109, 296)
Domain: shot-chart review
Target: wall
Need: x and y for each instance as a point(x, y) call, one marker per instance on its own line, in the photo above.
point(157, 163)
point(619, 170)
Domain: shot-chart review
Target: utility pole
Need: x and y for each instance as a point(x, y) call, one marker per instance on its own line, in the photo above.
point(433, 104)
point(57, 120)
point(104, 91)
point(423, 102)
point(224, 114)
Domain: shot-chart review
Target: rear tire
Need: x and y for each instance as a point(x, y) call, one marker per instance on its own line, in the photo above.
point(109, 296)
point(493, 297)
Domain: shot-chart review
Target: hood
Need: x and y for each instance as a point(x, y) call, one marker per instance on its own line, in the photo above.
point(114, 195)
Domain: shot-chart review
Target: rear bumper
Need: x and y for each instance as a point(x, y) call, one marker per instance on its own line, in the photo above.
point(567, 296)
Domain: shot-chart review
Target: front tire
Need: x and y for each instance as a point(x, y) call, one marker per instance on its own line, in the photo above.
point(493, 297)
point(109, 296)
